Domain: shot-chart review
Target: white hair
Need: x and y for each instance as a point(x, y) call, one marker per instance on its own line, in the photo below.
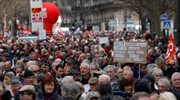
point(104, 76)
point(165, 81)
point(175, 74)
point(157, 71)
point(167, 96)
point(57, 60)
point(31, 66)
point(85, 64)
point(29, 63)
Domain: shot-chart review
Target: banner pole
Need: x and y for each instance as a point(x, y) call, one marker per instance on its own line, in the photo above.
point(139, 71)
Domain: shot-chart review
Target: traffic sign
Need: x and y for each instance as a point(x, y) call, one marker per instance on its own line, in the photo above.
point(163, 17)
point(166, 24)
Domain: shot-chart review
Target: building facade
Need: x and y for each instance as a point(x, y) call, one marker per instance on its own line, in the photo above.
point(99, 15)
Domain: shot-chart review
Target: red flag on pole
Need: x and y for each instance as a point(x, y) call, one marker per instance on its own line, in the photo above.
point(61, 34)
point(171, 49)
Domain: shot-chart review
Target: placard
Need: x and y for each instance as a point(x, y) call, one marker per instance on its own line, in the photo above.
point(36, 15)
point(130, 52)
point(103, 40)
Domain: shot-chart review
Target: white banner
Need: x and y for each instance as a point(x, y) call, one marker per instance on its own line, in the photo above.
point(36, 15)
point(42, 34)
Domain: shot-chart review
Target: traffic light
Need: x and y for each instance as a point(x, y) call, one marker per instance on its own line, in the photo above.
point(74, 24)
point(148, 21)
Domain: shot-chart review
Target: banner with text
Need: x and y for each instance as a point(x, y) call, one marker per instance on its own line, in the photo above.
point(130, 52)
point(36, 15)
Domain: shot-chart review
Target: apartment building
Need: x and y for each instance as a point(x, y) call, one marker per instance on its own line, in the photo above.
point(100, 15)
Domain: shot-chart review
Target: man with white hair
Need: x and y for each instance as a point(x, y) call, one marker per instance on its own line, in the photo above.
point(35, 69)
point(175, 79)
point(85, 73)
point(104, 78)
point(164, 84)
point(111, 71)
point(128, 74)
point(29, 63)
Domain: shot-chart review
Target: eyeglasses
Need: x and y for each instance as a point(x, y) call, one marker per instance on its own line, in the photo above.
point(92, 84)
point(36, 71)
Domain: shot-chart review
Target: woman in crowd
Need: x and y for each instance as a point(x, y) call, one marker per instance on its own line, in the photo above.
point(48, 90)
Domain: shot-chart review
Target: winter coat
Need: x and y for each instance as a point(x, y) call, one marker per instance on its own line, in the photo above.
point(40, 96)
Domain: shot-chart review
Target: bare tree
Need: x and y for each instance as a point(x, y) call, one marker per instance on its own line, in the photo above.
point(150, 9)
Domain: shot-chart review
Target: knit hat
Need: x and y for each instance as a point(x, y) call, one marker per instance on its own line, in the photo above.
point(28, 73)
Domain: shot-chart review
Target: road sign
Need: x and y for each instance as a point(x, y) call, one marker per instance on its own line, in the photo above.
point(166, 24)
point(163, 17)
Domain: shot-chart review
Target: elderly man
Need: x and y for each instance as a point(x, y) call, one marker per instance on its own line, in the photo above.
point(160, 62)
point(27, 92)
point(119, 72)
point(93, 82)
point(34, 69)
point(111, 71)
point(128, 74)
point(175, 79)
point(93, 68)
point(28, 78)
point(85, 73)
point(104, 78)
point(164, 85)
point(172, 67)
point(70, 90)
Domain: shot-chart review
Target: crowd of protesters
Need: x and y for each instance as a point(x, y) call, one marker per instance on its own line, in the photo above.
point(80, 68)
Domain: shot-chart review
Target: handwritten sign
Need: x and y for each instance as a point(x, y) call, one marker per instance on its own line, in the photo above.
point(103, 40)
point(130, 52)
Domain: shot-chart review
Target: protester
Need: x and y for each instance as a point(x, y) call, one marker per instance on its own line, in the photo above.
point(82, 64)
point(27, 92)
point(48, 90)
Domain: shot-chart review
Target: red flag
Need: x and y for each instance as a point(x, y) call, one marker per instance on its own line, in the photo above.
point(23, 30)
point(2, 36)
point(171, 50)
point(29, 31)
point(61, 34)
point(51, 39)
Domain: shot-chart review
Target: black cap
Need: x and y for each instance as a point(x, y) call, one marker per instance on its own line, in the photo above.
point(74, 71)
point(72, 62)
point(6, 54)
point(28, 73)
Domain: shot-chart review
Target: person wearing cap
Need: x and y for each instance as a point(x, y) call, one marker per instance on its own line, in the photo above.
point(93, 82)
point(71, 64)
point(28, 77)
point(5, 56)
point(27, 92)
point(75, 73)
